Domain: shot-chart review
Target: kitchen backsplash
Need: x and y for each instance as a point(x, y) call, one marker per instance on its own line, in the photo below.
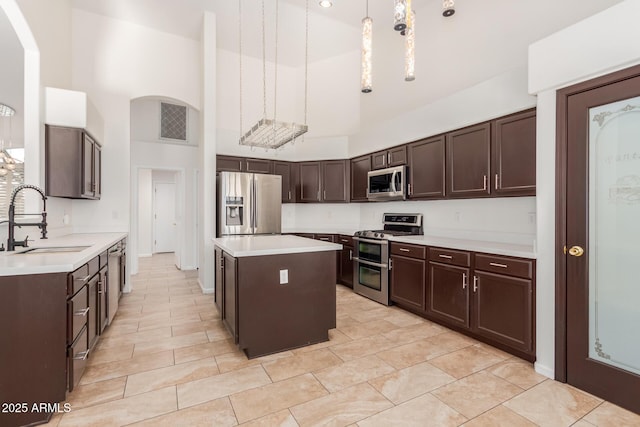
point(509, 220)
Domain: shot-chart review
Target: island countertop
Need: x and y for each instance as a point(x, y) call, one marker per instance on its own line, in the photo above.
point(247, 246)
point(16, 263)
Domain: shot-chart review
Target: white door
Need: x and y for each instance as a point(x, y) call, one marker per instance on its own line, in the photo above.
point(164, 217)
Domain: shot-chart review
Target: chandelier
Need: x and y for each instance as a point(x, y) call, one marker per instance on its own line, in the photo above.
point(271, 133)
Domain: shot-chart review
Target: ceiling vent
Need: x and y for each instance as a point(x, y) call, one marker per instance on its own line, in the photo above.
point(173, 121)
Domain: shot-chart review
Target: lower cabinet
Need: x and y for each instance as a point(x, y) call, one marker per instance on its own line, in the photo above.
point(230, 295)
point(489, 297)
point(345, 264)
point(408, 275)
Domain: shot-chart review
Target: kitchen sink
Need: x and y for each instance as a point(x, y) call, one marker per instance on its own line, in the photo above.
point(53, 250)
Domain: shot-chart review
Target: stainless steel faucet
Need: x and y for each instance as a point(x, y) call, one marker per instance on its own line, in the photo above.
point(11, 243)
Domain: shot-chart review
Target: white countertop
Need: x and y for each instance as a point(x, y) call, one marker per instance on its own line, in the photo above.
point(15, 263)
point(497, 248)
point(246, 246)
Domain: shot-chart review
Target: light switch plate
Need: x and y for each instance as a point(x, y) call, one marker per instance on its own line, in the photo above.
point(284, 277)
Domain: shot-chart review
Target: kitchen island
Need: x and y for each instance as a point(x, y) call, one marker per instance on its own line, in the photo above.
point(276, 292)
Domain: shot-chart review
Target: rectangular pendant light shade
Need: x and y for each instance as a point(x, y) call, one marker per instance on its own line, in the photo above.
point(400, 15)
point(367, 44)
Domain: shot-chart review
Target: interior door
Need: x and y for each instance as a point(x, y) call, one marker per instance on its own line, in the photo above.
point(164, 217)
point(602, 235)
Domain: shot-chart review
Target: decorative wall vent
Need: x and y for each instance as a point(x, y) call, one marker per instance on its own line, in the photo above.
point(173, 121)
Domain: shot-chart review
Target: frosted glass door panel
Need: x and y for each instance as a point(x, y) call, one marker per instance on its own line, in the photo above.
point(614, 234)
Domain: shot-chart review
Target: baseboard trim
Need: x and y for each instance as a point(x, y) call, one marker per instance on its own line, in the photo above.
point(145, 255)
point(544, 370)
point(204, 290)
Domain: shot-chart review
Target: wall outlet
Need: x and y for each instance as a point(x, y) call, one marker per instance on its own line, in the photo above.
point(284, 277)
point(532, 217)
point(456, 217)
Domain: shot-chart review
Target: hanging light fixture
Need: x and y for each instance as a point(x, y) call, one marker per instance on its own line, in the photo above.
point(448, 8)
point(367, 45)
point(271, 133)
point(410, 49)
point(400, 15)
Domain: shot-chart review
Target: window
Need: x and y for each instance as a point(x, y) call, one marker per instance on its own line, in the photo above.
point(173, 121)
point(7, 184)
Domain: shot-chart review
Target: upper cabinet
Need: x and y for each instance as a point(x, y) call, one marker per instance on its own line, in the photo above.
point(242, 164)
point(360, 167)
point(468, 161)
point(426, 168)
point(73, 163)
point(326, 181)
point(513, 147)
point(396, 156)
point(285, 170)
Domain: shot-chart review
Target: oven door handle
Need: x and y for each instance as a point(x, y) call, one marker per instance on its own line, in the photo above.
point(375, 264)
point(375, 242)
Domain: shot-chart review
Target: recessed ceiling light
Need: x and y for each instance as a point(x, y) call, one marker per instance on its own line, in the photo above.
point(326, 3)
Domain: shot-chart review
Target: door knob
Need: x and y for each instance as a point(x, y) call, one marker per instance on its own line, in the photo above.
point(576, 251)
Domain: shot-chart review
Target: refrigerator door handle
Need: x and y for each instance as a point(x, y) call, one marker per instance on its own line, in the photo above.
point(254, 191)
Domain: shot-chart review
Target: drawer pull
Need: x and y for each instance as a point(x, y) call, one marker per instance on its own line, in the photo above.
point(344, 240)
point(84, 279)
point(326, 239)
point(445, 256)
point(82, 313)
point(405, 250)
point(82, 355)
point(495, 264)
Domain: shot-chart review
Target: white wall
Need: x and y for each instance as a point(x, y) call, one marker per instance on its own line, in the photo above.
point(145, 213)
point(601, 44)
point(146, 112)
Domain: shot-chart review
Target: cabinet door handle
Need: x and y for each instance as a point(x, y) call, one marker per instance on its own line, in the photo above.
point(350, 254)
point(99, 287)
point(496, 181)
point(324, 194)
point(289, 194)
point(390, 263)
point(475, 283)
point(326, 239)
point(465, 283)
point(84, 279)
point(409, 189)
point(484, 185)
point(445, 256)
point(82, 313)
point(389, 158)
point(495, 264)
point(82, 355)
point(404, 250)
point(344, 240)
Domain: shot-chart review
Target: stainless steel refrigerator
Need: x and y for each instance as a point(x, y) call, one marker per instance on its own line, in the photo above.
point(249, 203)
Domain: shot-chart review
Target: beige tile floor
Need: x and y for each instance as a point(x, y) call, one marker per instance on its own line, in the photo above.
point(167, 361)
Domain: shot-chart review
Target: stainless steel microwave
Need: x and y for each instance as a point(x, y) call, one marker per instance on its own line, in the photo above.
point(387, 184)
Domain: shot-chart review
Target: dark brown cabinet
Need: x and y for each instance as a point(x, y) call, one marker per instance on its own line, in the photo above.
point(326, 181)
point(230, 295)
point(346, 261)
point(396, 156)
point(73, 163)
point(243, 164)
point(408, 276)
point(449, 273)
point(284, 169)
point(513, 147)
point(504, 301)
point(335, 181)
point(360, 167)
point(468, 161)
point(426, 168)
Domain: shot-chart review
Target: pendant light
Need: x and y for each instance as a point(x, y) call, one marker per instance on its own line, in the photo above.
point(367, 44)
point(400, 15)
point(448, 8)
point(410, 48)
point(7, 162)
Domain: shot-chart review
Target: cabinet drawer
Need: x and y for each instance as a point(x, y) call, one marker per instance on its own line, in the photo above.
point(450, 256)
point(81, 276)
point(77, 359)
point(405, 249)
point(104, 258)
point(77, 314)
point(345, 240)
point(324, 237)
point(506, 265)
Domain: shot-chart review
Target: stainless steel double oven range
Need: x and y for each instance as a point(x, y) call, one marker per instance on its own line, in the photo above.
point(371, 262)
